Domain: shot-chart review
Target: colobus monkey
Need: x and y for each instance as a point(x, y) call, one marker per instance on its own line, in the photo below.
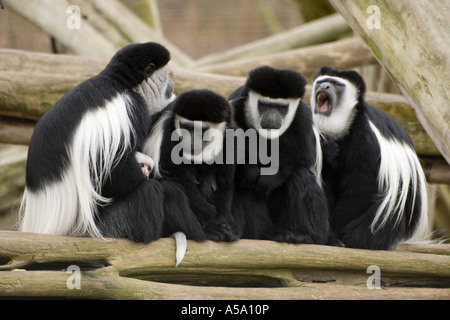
point(289, 205)
point(376, 186)
point(84, 174)
point(145, 162)
point(187, 143)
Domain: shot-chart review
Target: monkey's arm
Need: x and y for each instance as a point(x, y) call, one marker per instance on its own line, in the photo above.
point(267, 183)
point(124, 178)
point(178, 213)
point(204, 210)
point(223, 225)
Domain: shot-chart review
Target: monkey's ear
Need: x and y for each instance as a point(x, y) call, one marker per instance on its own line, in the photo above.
point(149, 69)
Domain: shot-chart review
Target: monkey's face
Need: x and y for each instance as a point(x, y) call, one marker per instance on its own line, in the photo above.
point(270, 116)
point(201, 141)
point(328, 93)
point(156, 89)
point(333, 102)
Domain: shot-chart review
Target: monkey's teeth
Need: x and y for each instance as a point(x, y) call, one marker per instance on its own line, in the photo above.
point(322, 96)
point(323, 102)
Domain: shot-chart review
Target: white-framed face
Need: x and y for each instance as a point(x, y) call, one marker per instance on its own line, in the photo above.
point(157, 90)
point(270, 117)
point(202, 141)
point(333, 102)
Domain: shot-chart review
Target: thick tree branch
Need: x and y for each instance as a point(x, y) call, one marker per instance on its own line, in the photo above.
point(411, 43)
point(114, 268)
point(342, 54)
point(30, 83)
point(318, 31)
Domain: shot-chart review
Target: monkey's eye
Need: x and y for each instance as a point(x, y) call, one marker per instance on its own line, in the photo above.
point(149, 69)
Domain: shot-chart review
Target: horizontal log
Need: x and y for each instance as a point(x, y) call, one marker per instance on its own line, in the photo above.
point(322, 30)
point(437, 170)
point(16, 131)
point(114, 269)
point(342, 54)
point(243, 254)
point(101, 285)
point(30, 83)
point(105, 26)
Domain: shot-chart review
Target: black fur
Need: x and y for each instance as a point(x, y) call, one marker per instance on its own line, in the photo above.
point(288, 206)
point(350, 173)
point(136, 210)
point(197, 196)
point(276, 83)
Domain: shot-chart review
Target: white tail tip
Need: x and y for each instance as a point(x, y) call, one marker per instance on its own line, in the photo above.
point(181, 244)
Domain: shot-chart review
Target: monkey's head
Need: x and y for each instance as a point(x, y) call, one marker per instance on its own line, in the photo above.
point(201, 118)
point(142, 67)
point(273, 98)
point(334, 98)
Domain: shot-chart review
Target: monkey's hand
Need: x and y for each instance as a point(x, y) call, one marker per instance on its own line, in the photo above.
point(146, 163)
point(222, 230)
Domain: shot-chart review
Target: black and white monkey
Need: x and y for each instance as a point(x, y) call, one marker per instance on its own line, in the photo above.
point(287, 205)
point(85, 175)
point(187, 143)
point(376, 186)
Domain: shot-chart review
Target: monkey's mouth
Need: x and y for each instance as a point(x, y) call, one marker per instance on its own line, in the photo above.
point(323, 103)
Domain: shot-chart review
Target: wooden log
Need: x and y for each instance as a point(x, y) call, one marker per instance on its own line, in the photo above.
point(105, 26)
point(185, 80)
point(33, 82)
point(342, 54)
point(134, 258)
point(12, 180)
point(51, 17)
point(136, 30)
point(113, 268)
point(322, 30)
point(437, 170)
point(16, 131)
point(108, 285)
point(409, 43)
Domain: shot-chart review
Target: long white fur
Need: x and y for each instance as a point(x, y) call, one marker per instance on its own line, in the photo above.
point(338, 124)
point(152, 145)
point(68, 207)
point(399, 165)
point(181, 245)
point(318, 164)
point(46, 211)
point(399, 169)
point(254, 117)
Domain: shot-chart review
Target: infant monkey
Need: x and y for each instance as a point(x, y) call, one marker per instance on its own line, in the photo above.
point(145, 162)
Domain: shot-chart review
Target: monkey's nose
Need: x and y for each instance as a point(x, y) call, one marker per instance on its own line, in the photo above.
point(325, 85)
